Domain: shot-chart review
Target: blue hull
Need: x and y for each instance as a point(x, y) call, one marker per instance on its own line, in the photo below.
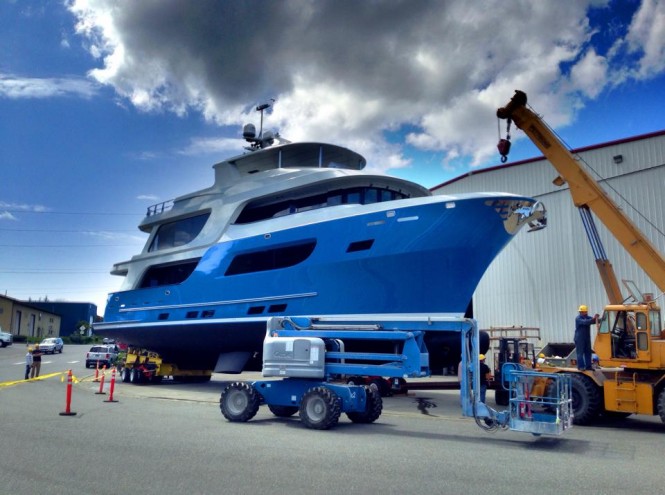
point(425, 258)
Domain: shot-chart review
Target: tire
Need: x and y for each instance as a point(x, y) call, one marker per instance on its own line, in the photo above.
point(87, 364)
point(319, 408)
point(134, 376)
point(381, 385)
point(239, 402)
point(587, 399)
point(373, 408)
point(283, 411)
point(661, 405)
point(125, 375)
point(355, 380)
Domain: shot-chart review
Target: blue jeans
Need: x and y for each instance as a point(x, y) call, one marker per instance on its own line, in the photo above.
point(583, 346)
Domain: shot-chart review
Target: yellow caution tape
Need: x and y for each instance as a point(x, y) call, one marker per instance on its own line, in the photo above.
point(61, 374)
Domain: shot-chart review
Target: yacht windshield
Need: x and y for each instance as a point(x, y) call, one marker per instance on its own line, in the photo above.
point(178, 233)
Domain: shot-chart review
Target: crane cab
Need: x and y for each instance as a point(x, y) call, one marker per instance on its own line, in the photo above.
point(631, 336)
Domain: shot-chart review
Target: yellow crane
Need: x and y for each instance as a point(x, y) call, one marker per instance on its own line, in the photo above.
point(630, 340)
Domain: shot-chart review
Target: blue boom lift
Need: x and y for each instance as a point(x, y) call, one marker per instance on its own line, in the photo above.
point(308, 354)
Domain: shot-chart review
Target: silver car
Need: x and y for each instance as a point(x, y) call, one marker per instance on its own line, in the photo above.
point(52, 345)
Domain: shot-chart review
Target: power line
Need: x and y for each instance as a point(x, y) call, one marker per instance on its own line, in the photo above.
point(40, 212)
point(65, 245)
point(88, 231)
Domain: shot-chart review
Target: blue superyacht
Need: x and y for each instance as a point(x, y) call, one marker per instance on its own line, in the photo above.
point(299, 229)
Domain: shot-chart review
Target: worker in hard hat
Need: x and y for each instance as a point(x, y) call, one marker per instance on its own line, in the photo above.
point(583, 324)
point(485, 374)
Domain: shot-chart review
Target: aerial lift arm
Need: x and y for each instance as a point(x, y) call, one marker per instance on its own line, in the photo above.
point(587, 193)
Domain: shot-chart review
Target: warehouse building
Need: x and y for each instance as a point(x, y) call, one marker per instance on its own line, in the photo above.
point(22, 318)
point(542, 277)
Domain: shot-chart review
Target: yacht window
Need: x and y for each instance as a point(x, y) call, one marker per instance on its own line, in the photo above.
point(254, 212)
point(170, 274)
point(178, 233)
point(371, 196)
point(353, 198)
point(270, 259)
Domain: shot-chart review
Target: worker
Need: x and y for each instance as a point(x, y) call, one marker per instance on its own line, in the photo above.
point(583, 337)
point(484, 377)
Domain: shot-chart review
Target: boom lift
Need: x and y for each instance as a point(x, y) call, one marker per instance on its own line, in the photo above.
point(630, 340)
point(305, 361)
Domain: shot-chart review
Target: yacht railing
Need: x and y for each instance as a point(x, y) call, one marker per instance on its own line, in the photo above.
point(159, 208)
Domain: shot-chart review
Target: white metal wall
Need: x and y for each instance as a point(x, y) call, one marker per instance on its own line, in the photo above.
point(542, 277)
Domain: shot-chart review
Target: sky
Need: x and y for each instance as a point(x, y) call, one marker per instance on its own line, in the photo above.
point(110, 106)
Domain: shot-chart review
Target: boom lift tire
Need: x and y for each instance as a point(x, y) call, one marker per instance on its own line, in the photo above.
point(239, 402)
point(374, 406)
point(587, 399)
point(124, 375)
point(319, 408)
point(283, 411)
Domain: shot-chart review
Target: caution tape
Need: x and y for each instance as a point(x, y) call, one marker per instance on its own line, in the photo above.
point(61, 374)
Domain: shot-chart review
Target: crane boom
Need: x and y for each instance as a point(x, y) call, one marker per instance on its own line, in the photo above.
point(585, 191)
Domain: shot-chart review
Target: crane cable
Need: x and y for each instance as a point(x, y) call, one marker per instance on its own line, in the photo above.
point(597, 174)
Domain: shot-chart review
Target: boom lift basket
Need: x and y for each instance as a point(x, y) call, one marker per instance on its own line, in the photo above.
point(540, 403)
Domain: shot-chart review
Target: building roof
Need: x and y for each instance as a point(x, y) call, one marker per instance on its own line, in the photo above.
point(541, 157)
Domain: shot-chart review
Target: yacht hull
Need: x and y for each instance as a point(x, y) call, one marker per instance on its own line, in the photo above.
point(423, 256)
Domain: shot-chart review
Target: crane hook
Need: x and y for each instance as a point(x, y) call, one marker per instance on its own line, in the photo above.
point(504, 144)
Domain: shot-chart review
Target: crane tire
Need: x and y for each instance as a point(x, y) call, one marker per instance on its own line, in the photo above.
point(587, 399)
point(661, 405)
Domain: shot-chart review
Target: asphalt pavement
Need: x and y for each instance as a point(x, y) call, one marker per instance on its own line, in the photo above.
point(171, 439)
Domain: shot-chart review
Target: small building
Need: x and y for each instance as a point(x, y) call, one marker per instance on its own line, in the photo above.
point(25, 319)
point(541, 278)
point(72, 313)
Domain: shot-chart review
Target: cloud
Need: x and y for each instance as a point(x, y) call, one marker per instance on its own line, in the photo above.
point(147, 197)
point(647, 38)
point(5, 215)
point(30, 87)
point(349, 72)
point(203, 146)
point(23, 207)
point(589, 75)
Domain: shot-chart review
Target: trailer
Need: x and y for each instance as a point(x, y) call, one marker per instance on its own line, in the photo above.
point(306, 365)
point(144, 366)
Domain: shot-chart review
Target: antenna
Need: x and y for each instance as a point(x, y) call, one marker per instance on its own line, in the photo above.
point(249, 131)
point(261, 108)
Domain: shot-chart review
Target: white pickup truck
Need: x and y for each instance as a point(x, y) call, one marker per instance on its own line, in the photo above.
point(101, 355)
point(5, 338)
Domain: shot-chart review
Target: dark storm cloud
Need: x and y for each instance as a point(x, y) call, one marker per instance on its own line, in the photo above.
point(354, 68)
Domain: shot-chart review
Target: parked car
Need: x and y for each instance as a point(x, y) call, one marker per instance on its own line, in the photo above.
point(52, 345)
point(5, 338)
point(101, 355)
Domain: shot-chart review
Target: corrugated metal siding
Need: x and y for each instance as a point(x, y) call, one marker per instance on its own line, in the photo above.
point(541, 277)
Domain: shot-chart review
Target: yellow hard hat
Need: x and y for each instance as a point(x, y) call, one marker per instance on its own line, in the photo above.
point(583, 307)
point(541, 355)
point(481, 357)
